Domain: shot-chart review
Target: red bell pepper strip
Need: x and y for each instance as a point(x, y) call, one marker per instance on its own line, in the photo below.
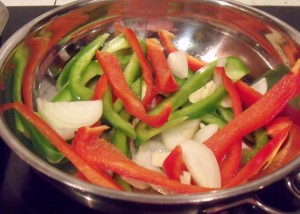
point(100, 88)
point(112, 69)
point(277, 125)
point(146, 69)
point(107, 157)
point(287, 154)
point(38, 47)
point(247, 94)
point(230, 165)
point(259, 160)
point(256, 116)
point(93, 174)
point(166, 38)
point(165, 80)
point(173, 165)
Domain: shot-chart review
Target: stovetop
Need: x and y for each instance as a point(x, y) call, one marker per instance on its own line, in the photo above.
point(23, 190)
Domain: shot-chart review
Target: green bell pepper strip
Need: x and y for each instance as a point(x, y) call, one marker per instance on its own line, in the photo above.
point(120, 140)
point(225, 113)
point(119, 180)
point(202, 107)
point(64, 95)
point(64, 76)
point(20, 60)
point(117, 43)
point(93, 69)
point(213, 118)
point(145, 134)
point(42, 145)
point(136, 87)
point(114, 118)
point(86, 55)
point(260, 140)
point(196, 81)
point(38, 141)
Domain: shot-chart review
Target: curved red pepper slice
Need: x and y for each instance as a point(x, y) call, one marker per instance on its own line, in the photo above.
point(93, 174)
point(100, 88)
point(173, 165)
point(259, 160)
point(287, 154)
point(247, 94)
point(166, 38)
point(165, 80)
point(38, 47)
point(230, 165)
point(107, 157)
point(277, 125)
point(146, 69)
point(117, 81)
point(256, 116)
point(250, 96)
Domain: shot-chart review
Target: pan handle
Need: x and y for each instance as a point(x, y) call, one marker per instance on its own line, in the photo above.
point(292, 183)
point(252, 200)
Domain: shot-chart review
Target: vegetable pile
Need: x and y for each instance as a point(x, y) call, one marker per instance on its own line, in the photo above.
point(138, 114)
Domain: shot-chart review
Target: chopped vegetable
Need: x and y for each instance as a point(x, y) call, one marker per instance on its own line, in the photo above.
point(173, 124)
point(67, 117)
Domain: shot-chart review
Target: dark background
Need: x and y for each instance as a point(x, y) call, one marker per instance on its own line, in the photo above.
point(23, 191)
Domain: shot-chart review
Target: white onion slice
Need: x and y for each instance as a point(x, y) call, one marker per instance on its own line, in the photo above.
point(178, 64)
point(203, 92)
point(260, 86)
point(180, 133)
point(67, 117)
point(158, 158)
point(202, 164)
point(206, 132)
point(226, 102)
point(143, 157)
point(185, 178)
point(136, 183)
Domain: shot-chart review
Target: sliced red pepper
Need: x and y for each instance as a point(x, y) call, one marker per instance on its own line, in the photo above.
point(277, 125)
point(146, 69)
point(166, 38)
point(107, 157)
point(256, 116)
point(247, 94)
point(173, 165)
point(93, 174)
point(230, 165)
point(165, 80)
point(259, 160)
point(117, 81)
point(287, 154)
point(100, 88)
point(250, 96)
point(38, 47)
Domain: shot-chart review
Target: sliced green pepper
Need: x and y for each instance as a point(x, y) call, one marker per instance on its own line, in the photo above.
point(202, 107)
point(120, 140)
point(226, 113)
point(213, 118)
point(145, 134)
point(85, 57)
point(114, 118)
point(196, 81)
